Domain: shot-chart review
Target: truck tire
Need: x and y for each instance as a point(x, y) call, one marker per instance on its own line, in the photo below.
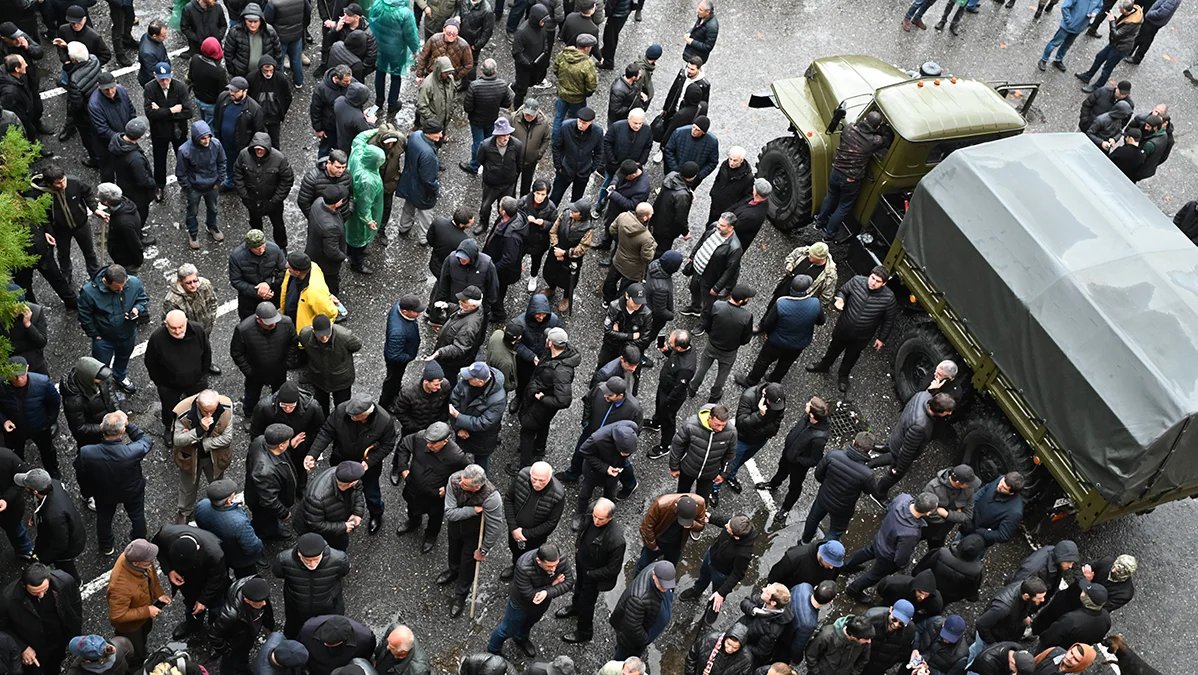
point(991, 446)
point(786, 163)
point(920, 349)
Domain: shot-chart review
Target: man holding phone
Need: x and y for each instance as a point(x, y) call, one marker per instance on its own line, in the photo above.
point(109, 306)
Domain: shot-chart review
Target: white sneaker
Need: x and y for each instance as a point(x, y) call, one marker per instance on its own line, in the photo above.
point(305, 60)
point(657, 157)
point(532, 284)
point(91, 503)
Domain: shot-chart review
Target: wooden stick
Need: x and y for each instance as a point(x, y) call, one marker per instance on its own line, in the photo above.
point(482, 526)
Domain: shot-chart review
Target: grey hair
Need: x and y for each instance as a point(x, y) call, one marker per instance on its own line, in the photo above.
point(208, 398)
point(474, 475)
point(644, 211)
point(949, 367)
point(77, 52)
point(113, 425)
point(488, 68)
point(637, 113)
point(637, 665)
point(710, 4)
point(728, 217)
point(185, 270)
point(737, 151)
point(109, 193)
point(341, 71)
point(1126, 5)
point(509, 205)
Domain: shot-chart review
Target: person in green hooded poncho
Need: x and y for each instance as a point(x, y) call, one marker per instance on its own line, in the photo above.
point(394, 28)
point(363, 225)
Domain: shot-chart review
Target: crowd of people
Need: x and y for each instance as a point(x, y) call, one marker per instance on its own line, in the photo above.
point(320, 448)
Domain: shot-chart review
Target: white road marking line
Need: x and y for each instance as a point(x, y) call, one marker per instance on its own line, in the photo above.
point(59, 91)
point(758, 478)
point(92, 587)
point(224, 308)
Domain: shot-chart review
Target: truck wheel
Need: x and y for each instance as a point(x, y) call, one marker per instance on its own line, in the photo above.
point(992, 447)
point(786, 164)
point(921, 349)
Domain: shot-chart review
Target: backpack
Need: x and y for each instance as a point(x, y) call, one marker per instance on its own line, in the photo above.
point(172, 659)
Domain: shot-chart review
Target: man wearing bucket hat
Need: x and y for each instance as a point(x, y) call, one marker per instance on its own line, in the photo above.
point(501, 157)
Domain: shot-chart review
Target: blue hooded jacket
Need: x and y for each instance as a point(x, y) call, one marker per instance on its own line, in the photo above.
point(198, 167)
point(532, 342)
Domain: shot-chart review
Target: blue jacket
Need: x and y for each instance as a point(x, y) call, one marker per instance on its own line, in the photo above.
point(33, 407)
point(238, 540)
point(804, 619)
point(419, 183)
point(1075, 14)
point(577, 153)
point(109, 116)
point(262, 663)
point(683, 148)
point(198, 167)
point(995, 516)
point(111, 471)
point(403, 338)
point(791, 322)
point(621, 143)
point(150, 53)
point(102, 312)
point(1161, 11)
point(899, 532)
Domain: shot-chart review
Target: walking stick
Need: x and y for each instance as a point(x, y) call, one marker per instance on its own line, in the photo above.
point(477, 566)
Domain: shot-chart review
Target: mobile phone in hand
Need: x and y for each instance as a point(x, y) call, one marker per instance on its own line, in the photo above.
point(661, 342)
point(159, 604)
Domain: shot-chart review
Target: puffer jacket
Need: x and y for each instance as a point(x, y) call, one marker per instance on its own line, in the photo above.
point(250, 122)
point(635, 615)
point(534, 135)
point(831, 652)
point(659, 287)
point(763, 627)
point(621, 99)
point(480, 412)
point(505, 245)
point(415, 408)
point(478, 23)
point(1003, 618)
point(888, 647)
point(671, 208)
point(420, 183)
point(484, 98)
point(956, 578)
point(428, 471)
point(262, 181)
point(247, 270)
point(1123, 31)
point(124, 235)
point(707, 655)
point(910, 434)
point(102, 311)
point(320, 109)
point(698, 451)
point(289, 18)
point(330, 365)
point(82, 81)
point(369, 441)
point(790, 323)
point(200, 168)
point(315, 180)
point(621, 143)
point(899, 532)
point(460, 338)
point(577, 153)
point(576, 75)
point(325, 507)
point(547, 512)
point(312, 592)
point(1160, 12)
point(263, 353)
point(958, 502)
point(866, 312)
point(237, 44)
point(349, 115)
point(132, 168)
point(751, 427)
point(554, 378)
point(270, 480)
point(231, 523)
point(85, 403)
point(843, 475)
point(233, 622)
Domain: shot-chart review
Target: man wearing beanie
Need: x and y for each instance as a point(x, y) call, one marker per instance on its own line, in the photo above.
point(131, 167)
point(333, 503)
point(295, 408)
point(694, 143)
point(420, 402)
point(205, 71)
point(280, 656)
point(1003, 658)
point(94, 654)
point(361, 431)
point(305, 294)
point(219, 515)
point(246, 613)
point(270, 483)
point(194, 563)
point(248, 39)
point(672, 207)
point(957, 568)
point(41, 609)
point(312, 572)
point(426, 459)
point(135, 596)
point(272, 89)
point(256, 270)
point(548, 391)
point(1076, 659)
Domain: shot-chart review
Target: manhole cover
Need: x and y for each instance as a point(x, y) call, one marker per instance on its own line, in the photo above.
point(845, 422)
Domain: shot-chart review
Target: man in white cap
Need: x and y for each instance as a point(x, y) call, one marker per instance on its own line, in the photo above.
point(359, 431)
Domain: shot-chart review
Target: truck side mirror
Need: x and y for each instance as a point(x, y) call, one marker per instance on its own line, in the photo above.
point(837, 117)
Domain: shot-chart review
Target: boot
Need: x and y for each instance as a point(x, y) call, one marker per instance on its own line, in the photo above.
point(954, 28)
point(637, 17)
point(939, 25)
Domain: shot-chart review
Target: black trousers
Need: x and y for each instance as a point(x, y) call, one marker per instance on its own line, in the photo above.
point(272, 130)
point(432, 505)
point(463, 541)
point(122, 26)
point(274, 211)
point(322, 397)
point(253, 391)
point(586, 594)
point(490, 196)
point(611, 38)
point(797, 473)
point(851, 347)
point(781, 357)
point(138, 638)
point(169, 397)
point(1144, 40)
point(527, 175)
point(587, 485)
point(50, 272)
point(665, 413)
point(388, 203)
point(533, 439)
point(519, 548)
point(82, 235)
point(44, 441)
point(528, 76)
point(702, 487)
point(614, 284)
point(161, 147)
point(392, 384)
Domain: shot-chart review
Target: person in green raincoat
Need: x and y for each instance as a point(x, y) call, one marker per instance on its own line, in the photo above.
point(363, 225)
point(394, 28)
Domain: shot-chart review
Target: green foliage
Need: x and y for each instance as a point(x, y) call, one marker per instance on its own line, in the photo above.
point(17, 213)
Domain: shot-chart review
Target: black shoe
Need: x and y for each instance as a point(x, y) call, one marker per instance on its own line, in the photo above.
point(1042, 65)
point(395, 477)
point(734, 485)
point(457, 605)
point(576, 522)
point(765, 485)
point(446, 577)
point(652, 424)
point(689, 595)
point(148, 240)
point(843, 385)
point(376, 524)
point(605, 261)
point(409, 525)
point(363, 268)
point(626, 492)
point(90, 163)
point(780, 519)
point(214, 369)
point(698, 332)
point(637, 16)
point(526, 646)
point(123, 59)
point(182, 630)
point(568, 477)
point(939, 25)
point(465, 166)
point(1060, 65)
point(658, 452)
point(713, 500)
point(954, 29)
point(68, 130)
point(1010, 4)
point(710, 615)
point(45, 129)
point(512, 469)
point(860, 596)
point(817, 368)
point(647, 362)
point(743, 381)
point(576, 638)
point(566, 612)
point(427, 546)
point(690, 311)
point(507, 574)
point(1132, 60)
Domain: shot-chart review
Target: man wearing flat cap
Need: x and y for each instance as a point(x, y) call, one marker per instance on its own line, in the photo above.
point(256, 270)
point(262, 346)
point(246, 613)
point(476, 408)
point(359, 431)
point(135, 596)
point(401, 345)
point(471, 502)
point(270, 483)
point(461, 335)
point(426, 460)
point(326, 244)
point(333, 504)
point(229, 521)
point(329, 368)
point(333, 641)
point(577, 150)
point(280, 656)
point(194, 563)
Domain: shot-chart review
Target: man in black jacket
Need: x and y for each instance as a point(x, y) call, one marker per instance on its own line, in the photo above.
point(334, 642)
point(326, 244)
point(858, 143)
point(625, 139)
point(298, 410)
point(919, 590)
point(246, 613)
point(604, 458)
point(894, 633)
point(672, 386)
point(608, 402)
point(843, 475)
point(759, 416)
point(169, 108)
point(622, 97)
point(724, 565)
point(311, 572)
point(359, 431)
point(263, 177)
point(532, 506)
point(110, 472)
point(868, 309)
point(628, 321)
point(484, 98)
point(71, 200)
point(270, 483)
point(60, 532)
point(178, 357)
point(541, 576)
point(42, 609)
point(638, 616)
point(803, 449)
point(236, 100)
point(599, 552)
point(909, 437)
point(1087, 624)
point(418, 404)
point(731, 327)
point(1003, 658)
point(672, 207)
point(548, 391)
point(194, 564)
point(426, 459)
point(1009, 612)
point(12, 518)
point(957, 568)
point(320, 110)
point(530, 49)
point(577, 153)
point(333, 504)
point(262, 346)
point(713, 266)
point(811, 563)
point(256, 272)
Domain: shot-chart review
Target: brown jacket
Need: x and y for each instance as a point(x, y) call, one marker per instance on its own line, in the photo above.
point(634, 248)
point(663, 511)
point(131, 591)
point(218, 440)
point(458, 52)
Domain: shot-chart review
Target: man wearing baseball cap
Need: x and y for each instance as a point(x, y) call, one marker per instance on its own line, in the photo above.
point(476, 407)
point(169, 108)
point(940, 644)
point(628, 321)
point(236, 118)
point(94, 654)
point(644, 610)
point(811, 563)
point(894, 633)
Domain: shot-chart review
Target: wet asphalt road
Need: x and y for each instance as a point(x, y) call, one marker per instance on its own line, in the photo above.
point(760, 40)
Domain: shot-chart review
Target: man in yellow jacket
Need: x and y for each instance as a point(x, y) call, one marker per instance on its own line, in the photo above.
point(305, 293)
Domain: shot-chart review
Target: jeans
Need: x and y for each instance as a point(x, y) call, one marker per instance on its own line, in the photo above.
point(477, 134)
point(562, 110)
point(838, 525)
point(1104, 64)
point(974, 649)
point(916, 11)
point(381, 92)
point(709, 575)
point(516, 623)
point(608, 177)
point(115, 351)
point(294, 51)
point(880, 569)
point(1061, 42)
point(18, 536)
point(842, 194)
point(515, 13)
point(207, 112)
point(193, 207)
point(105, 510)
point(744, 452)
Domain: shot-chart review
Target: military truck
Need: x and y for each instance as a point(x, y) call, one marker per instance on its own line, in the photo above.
point(927, 117)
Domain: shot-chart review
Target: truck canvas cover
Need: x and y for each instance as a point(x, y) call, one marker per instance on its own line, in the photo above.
point(1085, 293)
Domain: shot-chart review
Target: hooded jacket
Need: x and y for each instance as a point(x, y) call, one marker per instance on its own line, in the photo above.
point(320, 109)
point(698, 451)
point(312, 592)
point(529, 45)
point(199, 22)
point(330, 365)
point(437, 98)
point(904, 586)
point(1045, 562)
point(325, 507)
point(205, 74)
point(831, 652)
point(349, 115)
point(480, 412)
point(85, 403)
point(1099, 101)
point(671, 208)
point(1109, 125)
point(237, 43)
point(132, 167)
point(707, 655)
point(273, 94)
point(262, 353)
point(455, 276)
point(262, 181)
point(957, 569)
point(532, 340)
point(250, 121)
point(315, 180)
point(659, 288)
point(368, 195)
point(505, 245)
point(123, 236)
point(198, 167)
point(753, 428)
point(395, 20)
point(102, 311)
point(576, 75)
point(553, 377)
point(393, 143)
point(420, 183)
point(843, 475)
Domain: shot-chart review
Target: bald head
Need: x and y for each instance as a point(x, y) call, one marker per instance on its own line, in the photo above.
point(176, 323)
point(539, 474)
point(603, 508)
point(400, 641)
point(208, 400)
